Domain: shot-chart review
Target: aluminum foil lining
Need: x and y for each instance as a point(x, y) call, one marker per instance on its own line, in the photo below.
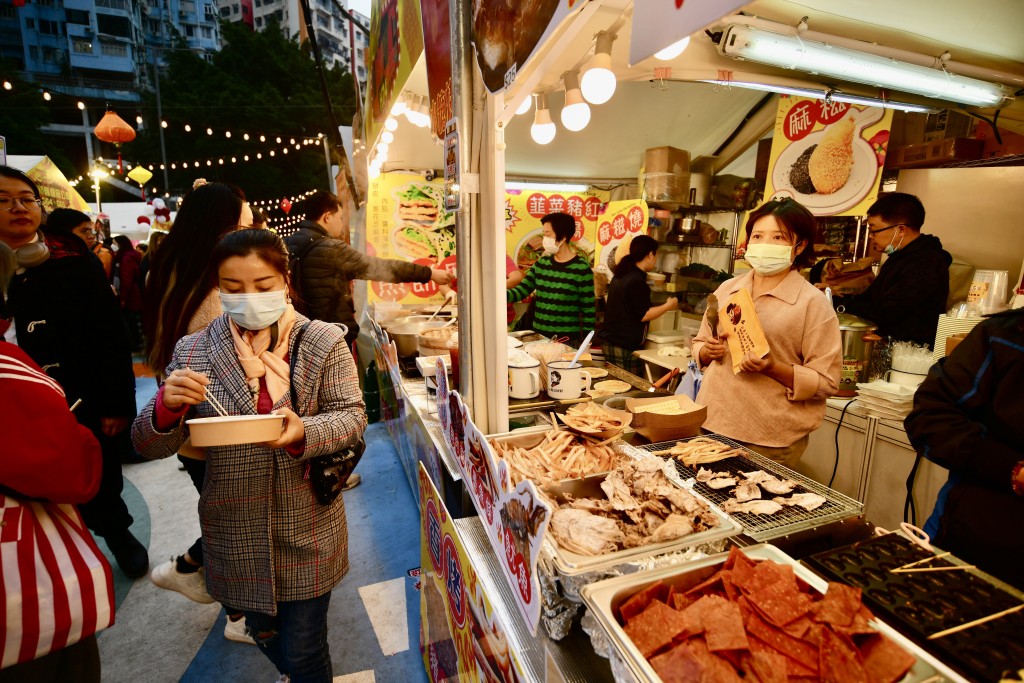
point(603, 646)
point(557, 613)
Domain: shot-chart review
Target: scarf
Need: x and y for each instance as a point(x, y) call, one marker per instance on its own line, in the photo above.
point(259, 360)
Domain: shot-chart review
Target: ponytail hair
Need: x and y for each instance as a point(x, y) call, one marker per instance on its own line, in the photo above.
point(639, 249)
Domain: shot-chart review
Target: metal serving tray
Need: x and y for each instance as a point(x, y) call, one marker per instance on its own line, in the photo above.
point(604, 597)
point(571, 564)
point(789, 520)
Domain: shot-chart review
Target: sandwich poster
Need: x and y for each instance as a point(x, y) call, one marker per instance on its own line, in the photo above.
point(828, 155)
point(406, 220)
point(525, 208)
point(743, 330)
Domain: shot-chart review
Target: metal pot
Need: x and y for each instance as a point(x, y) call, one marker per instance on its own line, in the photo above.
point(858, 336)
point(406, 336)
point(405, 320)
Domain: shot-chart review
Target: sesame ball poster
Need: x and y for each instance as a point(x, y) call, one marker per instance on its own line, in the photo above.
point(406, 220)
point(523, 230)
point(828, 155)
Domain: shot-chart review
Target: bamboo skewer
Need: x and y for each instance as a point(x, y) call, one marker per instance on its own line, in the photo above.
point(976, 622)
point(948, 568)
point(927, 559)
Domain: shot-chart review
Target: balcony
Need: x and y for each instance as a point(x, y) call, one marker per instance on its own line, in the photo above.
point(94, 88)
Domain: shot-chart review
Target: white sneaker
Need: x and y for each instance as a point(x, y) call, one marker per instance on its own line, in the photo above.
point(235, 630)
point(192, 586)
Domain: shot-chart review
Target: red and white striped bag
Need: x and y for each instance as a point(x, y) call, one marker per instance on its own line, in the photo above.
point(57, 585)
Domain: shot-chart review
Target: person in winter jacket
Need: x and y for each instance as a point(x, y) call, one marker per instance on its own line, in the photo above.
point(128, 276)
point(910, 291)
point(66, 318)
point(967, 418)
point(328, 267)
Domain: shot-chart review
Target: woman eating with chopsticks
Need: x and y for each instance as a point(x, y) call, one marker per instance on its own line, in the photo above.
point(271, 549)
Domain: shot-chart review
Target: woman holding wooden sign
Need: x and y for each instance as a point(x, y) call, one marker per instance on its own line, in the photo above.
point(768, 372)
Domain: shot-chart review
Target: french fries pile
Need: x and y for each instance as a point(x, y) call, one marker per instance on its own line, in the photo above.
point(700, 451)
point(562, 455)
point(591, 419)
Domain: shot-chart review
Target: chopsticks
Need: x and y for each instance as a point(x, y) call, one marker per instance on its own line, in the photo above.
point(976, 622)
point(212, 400)
point(909, 568)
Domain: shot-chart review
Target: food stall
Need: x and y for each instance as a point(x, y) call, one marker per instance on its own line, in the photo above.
point(510, 592)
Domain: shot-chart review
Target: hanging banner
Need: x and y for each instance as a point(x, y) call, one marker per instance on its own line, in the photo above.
point(525, 208)
point(507, 33)
point(659, 23)
point(619, 224)
point(514, 517)
point(406, 220)
point(395, 44)
point(462, 638)
point(437, 39)
point(54, 189)
point(828, 155)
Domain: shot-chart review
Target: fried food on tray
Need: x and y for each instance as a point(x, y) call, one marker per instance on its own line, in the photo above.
point(562, 455)
point(700, 451)
point(591, 418)
point(667, 407)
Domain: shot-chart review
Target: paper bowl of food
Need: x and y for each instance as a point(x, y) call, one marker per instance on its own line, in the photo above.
point(234, 429)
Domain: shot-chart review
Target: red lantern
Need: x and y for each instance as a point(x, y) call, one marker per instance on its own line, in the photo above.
point(113, 129)
point(286, 205)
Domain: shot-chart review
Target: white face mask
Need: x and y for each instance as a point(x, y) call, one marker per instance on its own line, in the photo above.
point(255, 311)
point(551, 246)
point(769, 259)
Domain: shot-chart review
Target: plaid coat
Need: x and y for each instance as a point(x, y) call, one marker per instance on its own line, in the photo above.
point(265, 537)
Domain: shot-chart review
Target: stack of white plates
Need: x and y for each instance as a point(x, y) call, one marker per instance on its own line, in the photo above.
point(885, 400)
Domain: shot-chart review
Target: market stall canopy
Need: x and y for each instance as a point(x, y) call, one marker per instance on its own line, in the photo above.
point(660, 103)
point(54, 188)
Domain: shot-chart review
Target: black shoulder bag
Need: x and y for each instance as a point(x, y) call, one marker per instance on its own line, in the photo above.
point(327, 473)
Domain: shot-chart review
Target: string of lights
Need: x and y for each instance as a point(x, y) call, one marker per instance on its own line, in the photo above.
point(272, 203)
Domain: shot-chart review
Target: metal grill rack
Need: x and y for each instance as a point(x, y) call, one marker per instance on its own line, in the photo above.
point(786, 521)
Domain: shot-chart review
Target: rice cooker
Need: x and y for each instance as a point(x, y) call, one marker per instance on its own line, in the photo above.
point(858, 337)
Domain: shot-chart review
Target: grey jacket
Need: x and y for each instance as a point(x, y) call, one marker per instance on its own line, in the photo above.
point(328, 269)
point(266, 539)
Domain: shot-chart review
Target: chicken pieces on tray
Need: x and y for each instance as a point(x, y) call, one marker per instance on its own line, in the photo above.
point(641, 506)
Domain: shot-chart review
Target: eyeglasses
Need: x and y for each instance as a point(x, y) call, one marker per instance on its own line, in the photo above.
point(884, 228)
point(29, 203)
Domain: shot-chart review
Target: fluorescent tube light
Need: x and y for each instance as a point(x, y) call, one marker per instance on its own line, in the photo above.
point(835, 95)
point(793, 52)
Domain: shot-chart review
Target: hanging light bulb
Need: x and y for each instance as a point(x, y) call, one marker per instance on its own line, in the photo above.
point(673, 50)
point(209, 131)
point(598, 84)
point(163, 124)
point(387, 136)
point(188, 128)
point(263, 138)
point(390, 123)
point(138, 119)
point(543, 129)
point(399, 107)
point(383, 148)
point(279, 139)
point(81, 105)
point(227, 133)
point(245, 136)
point(575, 112)
point(47, 96)
point(8, 85)
point(524, 106)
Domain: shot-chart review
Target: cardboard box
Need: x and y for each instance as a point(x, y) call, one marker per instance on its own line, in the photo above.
point(660, 427)
point(666, 160)
point(935, 153)
point(667, 187)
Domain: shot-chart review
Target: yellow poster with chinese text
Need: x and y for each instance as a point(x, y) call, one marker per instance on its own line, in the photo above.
point(828, 155)
point(525, 208)
point(619, 224)
point(406, 220)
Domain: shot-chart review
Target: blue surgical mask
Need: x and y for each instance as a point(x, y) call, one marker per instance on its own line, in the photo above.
point(890, 248)
point(255, 311)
